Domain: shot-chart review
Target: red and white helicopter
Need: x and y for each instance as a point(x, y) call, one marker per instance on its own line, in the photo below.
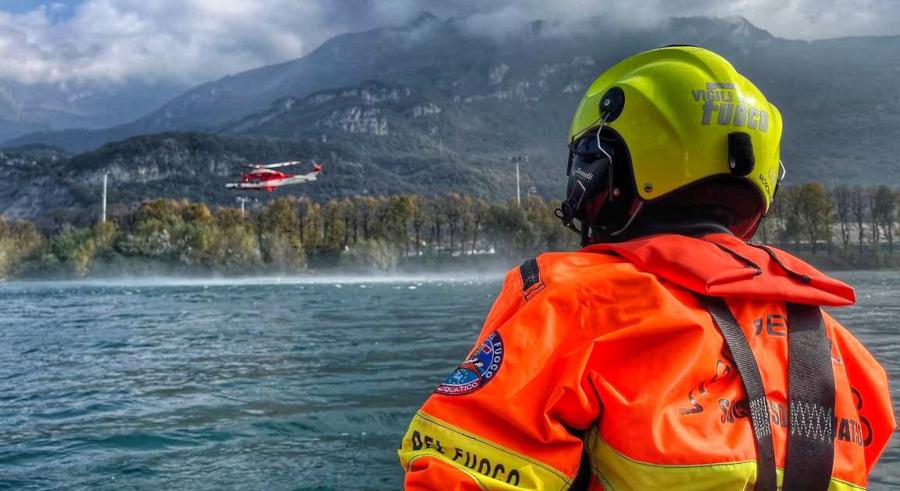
point(263, 177)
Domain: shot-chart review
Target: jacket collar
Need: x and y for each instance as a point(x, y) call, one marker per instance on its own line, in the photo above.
point(722, 265)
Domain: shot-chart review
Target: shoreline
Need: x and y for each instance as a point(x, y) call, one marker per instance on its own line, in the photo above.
point(447, 273)
point(312, 277)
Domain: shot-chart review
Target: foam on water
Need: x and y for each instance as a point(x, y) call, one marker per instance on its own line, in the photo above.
point(163, 281)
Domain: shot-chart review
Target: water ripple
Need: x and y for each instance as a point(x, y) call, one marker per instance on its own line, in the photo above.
point(260, 384)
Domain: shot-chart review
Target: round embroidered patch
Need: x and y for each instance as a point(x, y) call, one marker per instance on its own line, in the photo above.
point(480, 367)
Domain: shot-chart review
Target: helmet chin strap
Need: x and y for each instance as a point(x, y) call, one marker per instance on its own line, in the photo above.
point(634, 214)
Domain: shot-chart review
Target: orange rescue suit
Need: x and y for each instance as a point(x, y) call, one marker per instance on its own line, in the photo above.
point(609, 350)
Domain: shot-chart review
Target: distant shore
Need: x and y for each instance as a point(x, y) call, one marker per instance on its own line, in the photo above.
point(451, 269)
point(480, 267)
point(400, 234)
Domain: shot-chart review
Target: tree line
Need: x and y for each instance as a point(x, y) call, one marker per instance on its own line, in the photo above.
point(850, 226)
point(853, 225)
point(286, 235)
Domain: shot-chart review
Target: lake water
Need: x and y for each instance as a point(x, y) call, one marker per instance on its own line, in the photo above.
point(258, 384)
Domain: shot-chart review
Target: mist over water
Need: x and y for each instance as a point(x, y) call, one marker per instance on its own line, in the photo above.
point(238, 282)
point(276, 383)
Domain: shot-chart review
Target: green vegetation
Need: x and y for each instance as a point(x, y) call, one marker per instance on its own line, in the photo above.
point(19, 241)
point(286, 235)
point(843, 227)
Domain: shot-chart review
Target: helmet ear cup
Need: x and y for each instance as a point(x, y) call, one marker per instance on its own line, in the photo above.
point(587, 175)
point(600, 192)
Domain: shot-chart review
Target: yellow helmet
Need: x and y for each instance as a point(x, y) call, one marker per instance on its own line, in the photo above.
point(670, 118)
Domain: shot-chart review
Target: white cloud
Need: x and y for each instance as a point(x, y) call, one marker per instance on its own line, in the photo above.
point(793, 19)
point(191, 41)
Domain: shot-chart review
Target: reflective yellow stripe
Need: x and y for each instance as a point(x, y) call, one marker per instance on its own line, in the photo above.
point(493, 467)
point(620, 473)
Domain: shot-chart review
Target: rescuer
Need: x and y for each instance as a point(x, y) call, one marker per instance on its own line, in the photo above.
point(668, 353)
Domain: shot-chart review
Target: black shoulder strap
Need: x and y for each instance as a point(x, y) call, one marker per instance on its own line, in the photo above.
point(530, 271)
point(748, 370)
point(810, 445)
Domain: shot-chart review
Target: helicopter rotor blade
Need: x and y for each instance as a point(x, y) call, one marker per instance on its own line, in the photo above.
point(281, 164)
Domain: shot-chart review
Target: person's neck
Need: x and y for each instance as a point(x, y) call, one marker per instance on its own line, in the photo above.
point(658, 225)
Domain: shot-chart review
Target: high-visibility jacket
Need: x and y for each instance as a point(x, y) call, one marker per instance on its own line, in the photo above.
point(609, 352)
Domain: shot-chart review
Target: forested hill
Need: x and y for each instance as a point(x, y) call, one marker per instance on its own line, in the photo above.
point(433, 107)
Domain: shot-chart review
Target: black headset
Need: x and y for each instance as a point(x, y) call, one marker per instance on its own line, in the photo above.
point(590, 165)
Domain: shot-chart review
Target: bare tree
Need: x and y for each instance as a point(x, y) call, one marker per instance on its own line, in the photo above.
point(479, 210)
point(815, 208)
point(452, 207)
point(841, 195)
point(858, 208)
point(873, 216)
point(884, 206)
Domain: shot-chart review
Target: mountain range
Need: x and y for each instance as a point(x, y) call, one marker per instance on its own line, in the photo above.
point(433, 106)
point(87, 104)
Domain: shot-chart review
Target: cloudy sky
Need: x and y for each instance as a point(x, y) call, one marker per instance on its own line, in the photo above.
point(191, 41)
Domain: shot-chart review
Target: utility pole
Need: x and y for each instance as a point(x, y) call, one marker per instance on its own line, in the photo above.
point(517, 159)
point(242, 200)
point(105, 179)
point(518, 188)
